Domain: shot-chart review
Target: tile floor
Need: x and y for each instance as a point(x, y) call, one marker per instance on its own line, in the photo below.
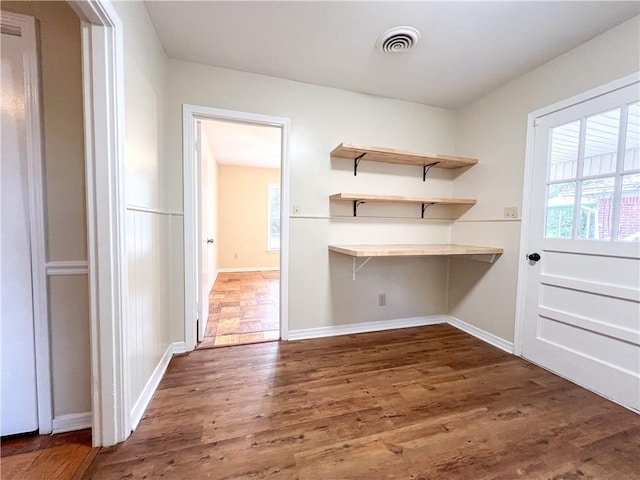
point(243, 308)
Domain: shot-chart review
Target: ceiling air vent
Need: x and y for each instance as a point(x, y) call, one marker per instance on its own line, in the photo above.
point(398, 40)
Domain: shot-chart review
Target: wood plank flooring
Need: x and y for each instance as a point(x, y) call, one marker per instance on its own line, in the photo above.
point(65, 456)
point(419, 403)
point(243, 308)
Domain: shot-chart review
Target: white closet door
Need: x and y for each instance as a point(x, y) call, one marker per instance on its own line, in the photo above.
point(18, 398)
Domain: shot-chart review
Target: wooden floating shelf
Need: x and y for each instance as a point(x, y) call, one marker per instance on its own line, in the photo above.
point(365, 197)
point(359, 198)
point(389, 155)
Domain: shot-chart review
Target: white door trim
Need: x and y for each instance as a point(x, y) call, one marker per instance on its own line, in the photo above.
point(103, 92)
point(33, 125)
point(523, 268)
point(189, 114)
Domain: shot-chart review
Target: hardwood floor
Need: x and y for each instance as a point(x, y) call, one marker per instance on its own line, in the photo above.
point(420, 403)
point(65, 456)
point(243, 308)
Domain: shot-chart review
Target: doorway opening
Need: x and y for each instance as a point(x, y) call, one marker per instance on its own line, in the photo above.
point(239, 166)
point(236, 228)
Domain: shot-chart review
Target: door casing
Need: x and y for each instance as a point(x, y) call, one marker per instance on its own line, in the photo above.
point(103, 104)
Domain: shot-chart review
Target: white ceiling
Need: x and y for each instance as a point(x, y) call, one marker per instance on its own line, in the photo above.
point(243, 144)
point(467, 48)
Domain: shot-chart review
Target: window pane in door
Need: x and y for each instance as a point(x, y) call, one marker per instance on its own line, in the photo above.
point(629, 224)
point(560, 207)
point(596, 207)
point(601, 143)
point(565, 141)
point(632, 153)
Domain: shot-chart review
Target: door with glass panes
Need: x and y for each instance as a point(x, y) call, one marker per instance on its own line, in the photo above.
point(582, 310)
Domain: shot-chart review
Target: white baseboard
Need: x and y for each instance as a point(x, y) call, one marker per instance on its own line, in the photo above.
point(178, 347)
point(248, 269)
point(334, 330)
point(483, 335)
point(71, 422)
point(154, 380)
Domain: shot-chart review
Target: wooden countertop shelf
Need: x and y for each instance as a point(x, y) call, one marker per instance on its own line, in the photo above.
point(356, 153)
point(409, 250)
point(482, 254)
point(360, 198)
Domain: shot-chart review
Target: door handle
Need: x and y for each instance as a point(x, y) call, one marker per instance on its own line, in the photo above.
point(209, 240)
point(533, 257)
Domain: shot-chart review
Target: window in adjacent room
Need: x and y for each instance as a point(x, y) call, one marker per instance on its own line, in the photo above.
point(273, 235)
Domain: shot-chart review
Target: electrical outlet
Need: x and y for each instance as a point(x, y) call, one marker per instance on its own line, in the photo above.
point(382, 299)
point(510, 212)
point(235, 255)
point(296, 209)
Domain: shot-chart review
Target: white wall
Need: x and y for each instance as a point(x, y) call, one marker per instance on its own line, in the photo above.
point(494, 129)
point(321, 290)
point(243, 207)
point(149, 223)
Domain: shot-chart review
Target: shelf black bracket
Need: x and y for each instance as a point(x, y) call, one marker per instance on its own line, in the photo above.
point(356, 162)
point(424, 208)
point(356, 204)
point(426, 168)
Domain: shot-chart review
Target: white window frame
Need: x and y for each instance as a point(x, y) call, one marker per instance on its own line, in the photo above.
point(270, 247)
point(617, 175)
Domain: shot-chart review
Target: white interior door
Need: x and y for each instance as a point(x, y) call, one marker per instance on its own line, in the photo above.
point(202, 252)
point(208, 222)
point(18, 395)
point(582, 311)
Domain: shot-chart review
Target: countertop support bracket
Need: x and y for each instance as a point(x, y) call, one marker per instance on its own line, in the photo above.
point(356, 162)
point(424, 208)
point(356, 267)
point(426, 168)
point(356, 204)
point(483, 258)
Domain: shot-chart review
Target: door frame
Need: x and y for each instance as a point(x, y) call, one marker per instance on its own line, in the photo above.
point(103, 105)
point(37, 235)
point(190, 113)
point(523, 268)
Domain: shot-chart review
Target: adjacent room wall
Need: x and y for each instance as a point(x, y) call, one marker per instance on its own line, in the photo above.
point(61, 72)
point(322, 292)
point(149, 222)
point(244, 217)
point(494, 128)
